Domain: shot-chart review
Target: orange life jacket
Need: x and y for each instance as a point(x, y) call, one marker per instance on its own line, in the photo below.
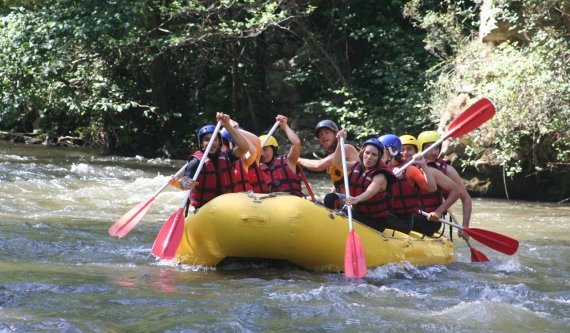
point(337, 178)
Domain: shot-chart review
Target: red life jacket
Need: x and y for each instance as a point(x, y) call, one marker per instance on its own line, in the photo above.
point(359, 179)
point(404, 201)
point(430, 201)
point(257, 179)
point(280, 178)
point(240, 177)
point(214, 179)
point(440, 164)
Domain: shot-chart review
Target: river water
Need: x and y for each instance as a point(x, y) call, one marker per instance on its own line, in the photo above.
point(61, 272)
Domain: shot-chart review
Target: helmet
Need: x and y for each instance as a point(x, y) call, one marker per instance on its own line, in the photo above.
point(205, 130)
point(427, 137)
point(409, 140)
point(270, 142)
point(226, 135)
point(327, 123)
point(393, 143)
point(376, 143)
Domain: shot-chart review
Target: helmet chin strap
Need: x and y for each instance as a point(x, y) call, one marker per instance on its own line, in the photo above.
point(393, 152)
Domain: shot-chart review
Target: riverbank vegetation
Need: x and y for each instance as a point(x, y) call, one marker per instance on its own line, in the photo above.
point(141, 77)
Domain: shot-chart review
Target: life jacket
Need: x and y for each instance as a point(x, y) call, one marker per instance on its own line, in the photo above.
point(257, 179)
point(240, 177)
point(440, 164)
point(359, 179)
point(404, 201)
point(214, 179)
point(280, 178)
point(430, 201)
point(337, 178)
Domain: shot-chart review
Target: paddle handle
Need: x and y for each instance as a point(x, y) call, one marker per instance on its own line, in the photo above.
point(444, 221)
point(271, 131)
point(345, 176)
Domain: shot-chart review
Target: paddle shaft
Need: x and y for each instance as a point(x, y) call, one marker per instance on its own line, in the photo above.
point(269, 134)
point(476, 255)
point(309, 189)
point(468, 120)
point(494, 240)
point(207, 151)
point(453, 224)
point(167, 240)
point(345, 176)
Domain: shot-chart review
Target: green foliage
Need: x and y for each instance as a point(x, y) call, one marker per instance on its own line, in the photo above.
point(529, 84)
point(382, 89)
point(145, 75)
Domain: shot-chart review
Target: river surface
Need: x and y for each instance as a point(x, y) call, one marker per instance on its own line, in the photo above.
point(61, 272)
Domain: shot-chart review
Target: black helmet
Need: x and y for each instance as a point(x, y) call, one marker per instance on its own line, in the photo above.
point(325, 123)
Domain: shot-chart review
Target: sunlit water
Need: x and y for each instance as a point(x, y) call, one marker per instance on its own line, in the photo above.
point(61, 272)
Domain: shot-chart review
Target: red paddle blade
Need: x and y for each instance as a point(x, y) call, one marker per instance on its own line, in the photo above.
point(354, 259)
point(494, 240)
point(478, 256)
point(170, 236)
point(470, 119)
point(127, 222)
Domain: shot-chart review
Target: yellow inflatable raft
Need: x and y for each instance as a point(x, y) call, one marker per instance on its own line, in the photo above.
point(290, 228)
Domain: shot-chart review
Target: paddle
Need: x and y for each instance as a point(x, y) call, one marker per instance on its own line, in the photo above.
point(468, 120)
point(309, 189)
point(354, 259)
point(476, 255)
point(170, 235)
point(269, 134)
point(492, 239)
point(130, 219)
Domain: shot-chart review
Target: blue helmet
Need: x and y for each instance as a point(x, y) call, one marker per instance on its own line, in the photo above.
point(226, 135)
point(205, 130)
point(392, 142)
point(376, 143)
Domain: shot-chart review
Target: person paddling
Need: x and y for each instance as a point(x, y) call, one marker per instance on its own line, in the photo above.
point(216, 177)
point(325, 132)
point(368, 179)
point(280, 172)
point(425, 140)
point(404, 203)
point(241, 167)
point(431, 202)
